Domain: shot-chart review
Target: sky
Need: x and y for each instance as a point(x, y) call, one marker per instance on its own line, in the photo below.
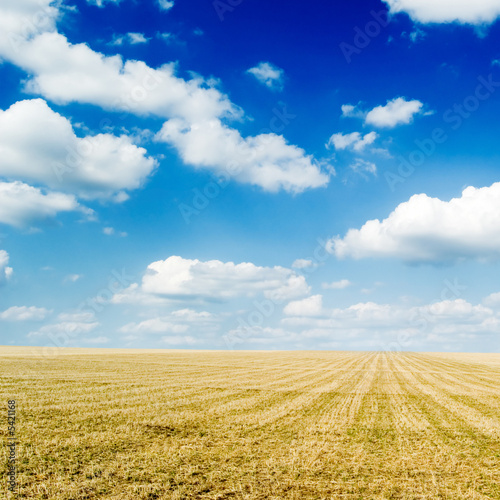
point(244, 174)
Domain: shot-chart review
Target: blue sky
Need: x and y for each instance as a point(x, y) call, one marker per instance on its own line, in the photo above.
point(245, 175)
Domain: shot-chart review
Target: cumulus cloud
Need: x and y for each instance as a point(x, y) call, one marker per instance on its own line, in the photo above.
point(5, 271)
point(39, 145)
point(24, 19)
point(397, 111)
point(22, 205)
point(376, 324)
point(307, 324)
point(66, 73)
point(179, 278)
point(269, 75)
point(24, 313)
point(425, 229)
point(266, 160)
point(447, 11)
point(311, 306)
point(76, 73)
point(354, 141)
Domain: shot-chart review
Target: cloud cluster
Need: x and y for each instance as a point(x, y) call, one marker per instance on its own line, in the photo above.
point(446, 11)
point(447, 321)
point(425, 229)
point(38, 145)
point(65, 73)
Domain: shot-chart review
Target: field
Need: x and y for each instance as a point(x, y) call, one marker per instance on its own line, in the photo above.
point(102, 424)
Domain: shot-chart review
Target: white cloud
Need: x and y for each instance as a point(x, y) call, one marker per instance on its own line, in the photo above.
point(269, 75)
point(165, 4)
point(22, 205)
point(492, 300)
point(75, 73)
point(302, 264)
point(354, 141)
point(374, 324)
point(39, 145)
point(179, 278)
point(24, 19)
point(66, 73)
point(5, 271)
point(129, 38)
point(266, 160)
point(336, 285)
point(24, 313)
point(446, 11)
point(310, 325)
point(154, 325)
point(399, 111)
point(311, 306)
point(425, 229)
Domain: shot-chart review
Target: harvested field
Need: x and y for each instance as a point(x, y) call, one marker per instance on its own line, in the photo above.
point(121, 424)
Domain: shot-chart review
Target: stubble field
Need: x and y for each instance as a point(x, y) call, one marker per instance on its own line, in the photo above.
point(117, 424)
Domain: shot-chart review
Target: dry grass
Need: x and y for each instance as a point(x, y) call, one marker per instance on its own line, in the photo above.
point(254, 425)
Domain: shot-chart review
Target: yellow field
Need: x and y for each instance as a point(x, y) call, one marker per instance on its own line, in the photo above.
point(253, 425)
